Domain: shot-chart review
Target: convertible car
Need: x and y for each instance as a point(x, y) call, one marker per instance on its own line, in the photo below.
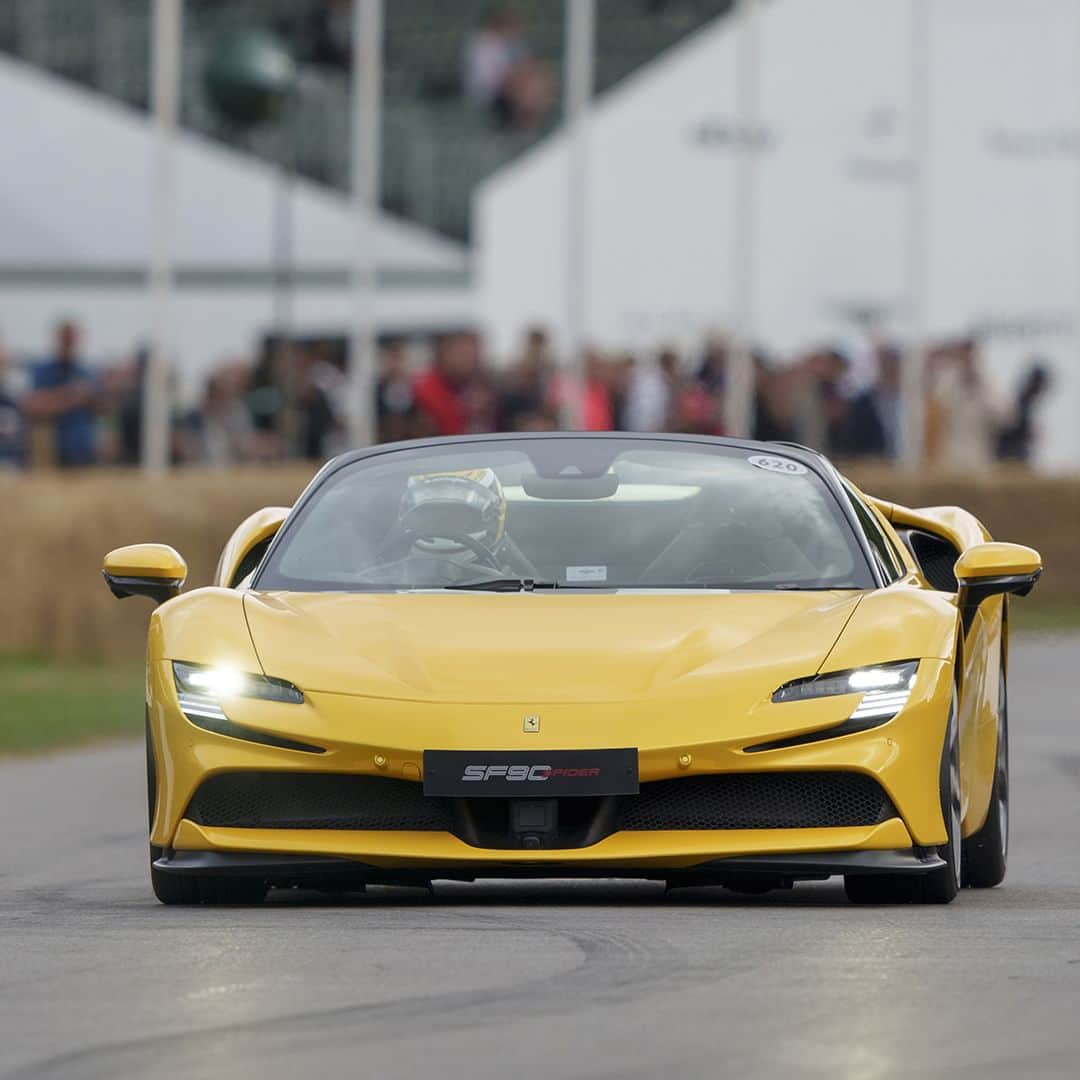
point(697, 660)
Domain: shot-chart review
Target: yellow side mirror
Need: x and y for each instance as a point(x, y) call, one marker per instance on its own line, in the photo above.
point(154, 570)
point(983, 562)
point(993, 569)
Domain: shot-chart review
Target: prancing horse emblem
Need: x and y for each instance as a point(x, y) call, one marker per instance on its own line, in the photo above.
point(531, 722)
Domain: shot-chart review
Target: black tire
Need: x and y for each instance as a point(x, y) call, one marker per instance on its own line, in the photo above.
point(176, 889)
point(986, 853)
point(939, 886)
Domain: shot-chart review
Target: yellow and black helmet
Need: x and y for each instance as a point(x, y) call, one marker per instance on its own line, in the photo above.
point(437, 507)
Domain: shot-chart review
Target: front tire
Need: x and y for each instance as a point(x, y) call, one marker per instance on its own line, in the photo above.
point(939, 886)
point(986, 852)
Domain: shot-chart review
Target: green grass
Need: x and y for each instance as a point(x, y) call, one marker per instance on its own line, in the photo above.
point(53, 703)
point(1048, 616)
point(56, 703)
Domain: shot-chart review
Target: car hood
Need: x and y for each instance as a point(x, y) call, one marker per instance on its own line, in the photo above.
point(513, 647)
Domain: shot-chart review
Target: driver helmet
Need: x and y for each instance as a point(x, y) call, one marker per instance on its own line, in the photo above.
point(476, 492)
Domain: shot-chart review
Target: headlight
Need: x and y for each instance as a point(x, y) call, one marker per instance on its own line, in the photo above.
point(200, 689)
point(885, 689)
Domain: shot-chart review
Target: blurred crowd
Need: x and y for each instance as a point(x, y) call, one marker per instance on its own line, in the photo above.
point(289, 402)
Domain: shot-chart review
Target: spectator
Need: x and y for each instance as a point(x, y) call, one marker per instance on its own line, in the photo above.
point(440, 392)
point(1015, 438)
point(821, 408)
point(479, 395)
point(961, 425)
point(224, 424)
point(525, 401)
point(527, 96)
point(131, 410)
point(266, 400)
point(712, 370)
point(872, 425)
point(598, 404)
point(501, 74)
point(64, 393)
point(618, 376)
point(652, 395)
point(773, 405)
point(491, 52)
point(12, 427)
point(395, 401)
point(321, 392)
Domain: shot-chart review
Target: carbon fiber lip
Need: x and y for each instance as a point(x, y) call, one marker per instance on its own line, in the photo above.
point(791, 865)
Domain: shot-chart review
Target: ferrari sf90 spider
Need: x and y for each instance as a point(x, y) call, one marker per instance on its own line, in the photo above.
point(697, 660)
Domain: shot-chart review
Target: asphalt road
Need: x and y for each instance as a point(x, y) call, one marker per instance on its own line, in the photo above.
point(528, 980)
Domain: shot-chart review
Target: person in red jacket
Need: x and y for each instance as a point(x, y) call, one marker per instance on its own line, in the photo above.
point(441, 391)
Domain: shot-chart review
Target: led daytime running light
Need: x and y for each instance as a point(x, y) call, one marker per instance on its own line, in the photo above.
point(885, 689)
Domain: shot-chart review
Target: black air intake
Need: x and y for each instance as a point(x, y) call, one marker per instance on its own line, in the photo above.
point(285, 800)
point(780, 800)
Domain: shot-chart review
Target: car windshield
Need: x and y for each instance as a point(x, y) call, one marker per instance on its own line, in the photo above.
point(569, 513)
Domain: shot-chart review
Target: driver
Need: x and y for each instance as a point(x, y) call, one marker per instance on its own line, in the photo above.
point(450, 530)
point(444, 511)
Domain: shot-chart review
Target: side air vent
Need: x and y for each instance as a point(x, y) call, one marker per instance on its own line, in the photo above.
point(936, 557)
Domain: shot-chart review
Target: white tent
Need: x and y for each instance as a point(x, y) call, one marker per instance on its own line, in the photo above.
point(73, 236)
point(831, 217)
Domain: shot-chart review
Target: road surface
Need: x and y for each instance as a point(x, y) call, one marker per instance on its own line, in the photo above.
point(528, 980)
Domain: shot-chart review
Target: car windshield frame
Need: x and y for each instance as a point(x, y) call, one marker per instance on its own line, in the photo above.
point(267, 578)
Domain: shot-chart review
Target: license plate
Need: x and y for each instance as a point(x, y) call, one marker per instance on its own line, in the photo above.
point(530, 774)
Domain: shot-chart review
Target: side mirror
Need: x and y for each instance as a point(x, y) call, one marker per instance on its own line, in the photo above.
point(154, 570)
point(994, 569)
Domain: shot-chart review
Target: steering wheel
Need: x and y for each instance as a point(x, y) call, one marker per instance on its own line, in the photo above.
point(463, 540)
point(406, 538)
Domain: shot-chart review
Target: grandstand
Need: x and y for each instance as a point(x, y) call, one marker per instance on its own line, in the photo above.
point(436, 146)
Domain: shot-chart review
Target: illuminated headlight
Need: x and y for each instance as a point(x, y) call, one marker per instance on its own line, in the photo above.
point(200, 689)
point(885, 689)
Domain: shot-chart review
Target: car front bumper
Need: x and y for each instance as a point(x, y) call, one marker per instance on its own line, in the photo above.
point(903, 756)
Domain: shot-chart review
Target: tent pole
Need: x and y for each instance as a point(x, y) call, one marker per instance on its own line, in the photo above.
point(367, 38)
point(913, 373)
point(166, 38)
point(579, 78)
point(739, 389)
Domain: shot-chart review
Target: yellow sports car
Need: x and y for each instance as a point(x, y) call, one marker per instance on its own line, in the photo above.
point(703, 661)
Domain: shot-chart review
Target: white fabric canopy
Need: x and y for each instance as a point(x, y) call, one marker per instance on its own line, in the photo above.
point(74, 177)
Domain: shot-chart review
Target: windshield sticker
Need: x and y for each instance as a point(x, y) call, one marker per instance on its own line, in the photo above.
point(778, 465)
point(579, 574)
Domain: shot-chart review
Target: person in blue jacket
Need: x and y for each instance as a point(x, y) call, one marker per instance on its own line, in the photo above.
point(65, 392)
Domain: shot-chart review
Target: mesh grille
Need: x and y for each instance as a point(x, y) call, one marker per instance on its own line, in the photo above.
point(281, 800)
point(758, 801)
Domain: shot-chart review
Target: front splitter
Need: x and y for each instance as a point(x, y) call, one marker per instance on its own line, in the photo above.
point(307, 868)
